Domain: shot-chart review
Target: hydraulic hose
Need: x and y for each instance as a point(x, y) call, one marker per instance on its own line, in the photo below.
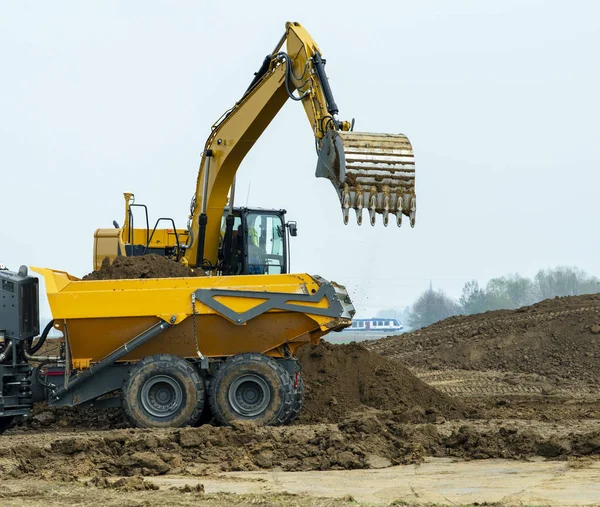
point(289, 73)
point(7, 351)
point(39, 369)
point(30, 350)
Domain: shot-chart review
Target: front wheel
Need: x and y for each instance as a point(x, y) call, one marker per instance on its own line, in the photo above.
point(163, 391)
point(251, 387)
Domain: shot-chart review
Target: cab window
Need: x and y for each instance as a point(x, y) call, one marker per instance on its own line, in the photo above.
point(265, 244)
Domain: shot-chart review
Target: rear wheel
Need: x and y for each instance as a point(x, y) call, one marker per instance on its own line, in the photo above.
point(163, 391)
point(5, 423)
point(251, 387)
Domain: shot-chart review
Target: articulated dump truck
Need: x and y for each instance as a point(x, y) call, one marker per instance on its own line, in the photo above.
point(168, 350)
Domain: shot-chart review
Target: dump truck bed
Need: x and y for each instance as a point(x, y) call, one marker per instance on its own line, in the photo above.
point(270, 314)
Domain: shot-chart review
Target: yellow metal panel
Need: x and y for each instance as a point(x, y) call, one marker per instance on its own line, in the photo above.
point(70, 298)
point(217, 337)
point(237, 304)
point(81, 363)
point(102, 315)
point(106, 244)
point(162, 238)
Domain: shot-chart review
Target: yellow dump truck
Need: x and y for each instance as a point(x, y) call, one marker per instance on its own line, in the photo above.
point(166, 349)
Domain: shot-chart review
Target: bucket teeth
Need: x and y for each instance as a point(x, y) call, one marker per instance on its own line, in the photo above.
point(413, 211)
point(386, 207)
point(399, 213)
point(398, 218)
point(373, 207)
point(346, 206)
point(375, 171)
point(359, 206)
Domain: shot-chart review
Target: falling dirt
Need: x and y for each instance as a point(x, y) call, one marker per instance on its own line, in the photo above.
point(343, 379)
point(556, 338)
point(145, 266)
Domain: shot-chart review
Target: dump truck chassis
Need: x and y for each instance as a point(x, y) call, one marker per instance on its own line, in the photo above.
point(22, 386)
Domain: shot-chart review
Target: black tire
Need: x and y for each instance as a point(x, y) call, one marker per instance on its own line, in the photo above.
point(5, 423)
point(298, 398)
point(163, 391)
point(251, 387)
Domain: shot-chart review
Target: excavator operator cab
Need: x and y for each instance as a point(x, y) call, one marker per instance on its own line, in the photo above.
point(252, 241)
point(255, 242)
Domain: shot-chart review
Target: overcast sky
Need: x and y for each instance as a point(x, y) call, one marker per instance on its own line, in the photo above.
point(500, 100)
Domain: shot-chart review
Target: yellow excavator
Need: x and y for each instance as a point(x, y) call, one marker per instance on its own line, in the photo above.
point(174, 351)
point(368, 171)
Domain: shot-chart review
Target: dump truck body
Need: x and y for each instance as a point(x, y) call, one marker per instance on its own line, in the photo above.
point(233, 314)
point(159, 342)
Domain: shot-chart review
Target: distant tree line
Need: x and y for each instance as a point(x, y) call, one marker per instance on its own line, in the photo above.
point(506, 292)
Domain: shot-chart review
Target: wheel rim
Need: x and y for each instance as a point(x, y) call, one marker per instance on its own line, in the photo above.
point(161, 396)
point(249, 395)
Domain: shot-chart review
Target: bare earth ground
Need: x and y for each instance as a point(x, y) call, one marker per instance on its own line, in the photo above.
point(436, 482)
point(497, 409)
point(77, 467)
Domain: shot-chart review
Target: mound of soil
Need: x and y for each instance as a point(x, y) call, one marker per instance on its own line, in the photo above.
point(558, 338)
point(370, 439)
point(145, 266)
point(339, 380)
point(48, 418)
point(342, 379)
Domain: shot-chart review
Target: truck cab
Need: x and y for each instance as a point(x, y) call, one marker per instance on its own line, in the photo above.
point(259, 243)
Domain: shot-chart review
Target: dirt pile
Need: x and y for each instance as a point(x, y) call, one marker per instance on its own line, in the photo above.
point(339, 380)
point(371, 439)
point(343, 379)
point(145, 266)
point(557, 338)
point(48, 418)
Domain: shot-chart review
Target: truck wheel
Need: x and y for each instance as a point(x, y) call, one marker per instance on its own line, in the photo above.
point(163, 391)
point(298, 398)
point(251, 387)
point(5, 423)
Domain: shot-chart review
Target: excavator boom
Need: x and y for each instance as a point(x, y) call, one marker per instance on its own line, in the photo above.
point(368, 170)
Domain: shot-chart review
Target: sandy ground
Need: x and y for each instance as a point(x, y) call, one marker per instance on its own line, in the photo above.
point(437, 481)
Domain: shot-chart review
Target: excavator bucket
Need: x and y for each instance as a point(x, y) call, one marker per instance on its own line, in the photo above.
point(372, 171)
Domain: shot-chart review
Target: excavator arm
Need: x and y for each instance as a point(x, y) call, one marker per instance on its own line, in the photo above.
point(373, 171)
